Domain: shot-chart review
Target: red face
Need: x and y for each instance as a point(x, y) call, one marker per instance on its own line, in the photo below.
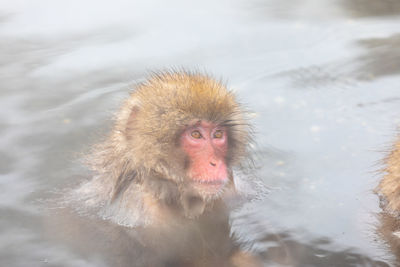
point(206, 145)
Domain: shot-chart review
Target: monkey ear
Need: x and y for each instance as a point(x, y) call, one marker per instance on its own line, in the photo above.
point(130, 122)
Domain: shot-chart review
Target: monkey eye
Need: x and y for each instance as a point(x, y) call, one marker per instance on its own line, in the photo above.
point(218, 134)
point(196, 134)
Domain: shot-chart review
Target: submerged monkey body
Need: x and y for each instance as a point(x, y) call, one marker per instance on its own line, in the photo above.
point(171, 152)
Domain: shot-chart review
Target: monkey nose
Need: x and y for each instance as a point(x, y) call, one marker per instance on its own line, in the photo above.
point(213, 164)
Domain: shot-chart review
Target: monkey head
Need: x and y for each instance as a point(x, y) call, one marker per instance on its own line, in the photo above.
point(179, 134)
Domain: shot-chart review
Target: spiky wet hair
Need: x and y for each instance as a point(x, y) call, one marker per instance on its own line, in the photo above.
point(145, 139)
point(389, 187)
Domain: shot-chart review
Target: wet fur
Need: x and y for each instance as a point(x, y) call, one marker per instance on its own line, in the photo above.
point(141, 160)
point(389, 187)
point(389, 194)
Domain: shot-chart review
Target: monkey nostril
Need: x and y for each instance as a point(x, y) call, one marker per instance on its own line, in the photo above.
point(213, 164)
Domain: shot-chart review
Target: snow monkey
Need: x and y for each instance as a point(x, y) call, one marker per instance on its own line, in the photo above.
point(389, 193)
point(168, 161)
point(389, 187)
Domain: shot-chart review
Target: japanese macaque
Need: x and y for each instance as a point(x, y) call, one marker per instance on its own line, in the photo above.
point(167, 165)
point(389, 187)
point(389, 192)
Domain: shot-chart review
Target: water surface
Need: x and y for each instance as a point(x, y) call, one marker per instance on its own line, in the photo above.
point(322, 78)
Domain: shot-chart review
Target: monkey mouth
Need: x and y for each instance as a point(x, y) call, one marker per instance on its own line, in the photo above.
point(210, 188)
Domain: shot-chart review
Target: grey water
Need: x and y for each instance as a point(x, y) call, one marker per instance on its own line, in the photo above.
point(321, 78)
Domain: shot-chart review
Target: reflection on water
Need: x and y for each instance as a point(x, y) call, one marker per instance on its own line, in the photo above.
point(382, 58)
point(322, 77)
point(365, 8)
point(284, 250)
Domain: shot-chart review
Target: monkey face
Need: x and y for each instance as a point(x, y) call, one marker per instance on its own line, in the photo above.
point(206, 145)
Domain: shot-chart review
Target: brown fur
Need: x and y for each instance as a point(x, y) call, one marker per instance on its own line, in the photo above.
point(389, 187)
point(141, 164)
point(389, 193)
